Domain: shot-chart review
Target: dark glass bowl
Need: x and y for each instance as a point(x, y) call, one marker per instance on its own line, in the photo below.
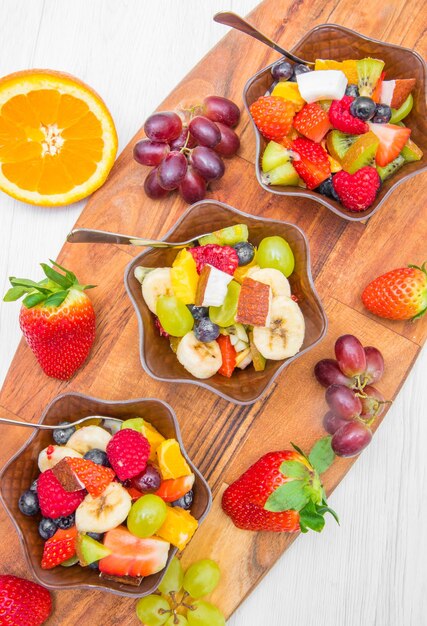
point(330, 41)
point(22, 469)
point(245, 386)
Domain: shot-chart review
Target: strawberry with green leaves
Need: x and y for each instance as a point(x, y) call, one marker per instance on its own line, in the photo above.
point(398, 295)
point(57, 319)
point(282, 492)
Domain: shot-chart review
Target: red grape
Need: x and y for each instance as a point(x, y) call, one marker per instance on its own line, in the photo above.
point(181, 141)
point(149, 152)
point(192, 187)
point(204, 131)
point(374, 404)
point(350, 355)
point(351, 439)
point(343, 402)
point(148, 481)
point(374, 364)
point(163, 126)
point(152, 186)
point(328, 373)
point(172, 170)
point(331, 423)
point(207, 163)
point(229, 143)
point(221, 110)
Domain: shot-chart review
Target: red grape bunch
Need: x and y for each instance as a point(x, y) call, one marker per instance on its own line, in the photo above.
point(188, 155)
point(353, 402)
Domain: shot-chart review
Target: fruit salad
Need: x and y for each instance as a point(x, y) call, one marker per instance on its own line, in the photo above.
point(111, 501)
point(225, 304)
point(337, 129)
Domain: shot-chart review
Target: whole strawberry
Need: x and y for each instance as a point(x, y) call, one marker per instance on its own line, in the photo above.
point(57, 320)
point(22, 602)
point(281, 492)
point(273, 116)
point(398, 295)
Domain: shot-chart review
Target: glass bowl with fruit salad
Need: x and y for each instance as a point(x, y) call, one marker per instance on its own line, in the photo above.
point(346, 131)
point(104, 505)
point(229, 311)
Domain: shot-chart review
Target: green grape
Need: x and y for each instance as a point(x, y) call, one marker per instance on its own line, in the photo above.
point(201, 578)
point(151, 610)
point(178, 620)
point(146, 516)
point(174, 316)
point(275, 252)
point(172, 580)
point(224, 315)
point(399, 114)
point(205, 614)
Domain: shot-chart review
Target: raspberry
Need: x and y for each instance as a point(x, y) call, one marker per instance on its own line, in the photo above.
point(128, 453)
point(357, 191)
point(224, 258)
point(54, 500)
point(343, 120)
point(273, 116)
point(313, 165)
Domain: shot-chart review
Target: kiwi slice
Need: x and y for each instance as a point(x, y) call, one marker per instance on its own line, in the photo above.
point(274, 154)
point(368, 72)
point(361, 153)
point(338, 143)
point(411, 152)
point(391, 168)
point(284, 174)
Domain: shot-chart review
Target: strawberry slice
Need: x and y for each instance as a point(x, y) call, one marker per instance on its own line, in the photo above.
point(95, 478)
point(312, 122)
point(392, 139)
point(131, 556)
point(175, 488)
point(228, 353)
point(59, 548)
point(313, 165)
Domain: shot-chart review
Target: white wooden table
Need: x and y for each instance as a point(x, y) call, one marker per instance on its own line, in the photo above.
point(373, 569)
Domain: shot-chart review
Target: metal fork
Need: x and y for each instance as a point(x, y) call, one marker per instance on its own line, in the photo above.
point(89, 235)
point(104, 423)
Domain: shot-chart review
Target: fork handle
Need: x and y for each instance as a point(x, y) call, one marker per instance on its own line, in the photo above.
point(4, 420)
point(89, 235)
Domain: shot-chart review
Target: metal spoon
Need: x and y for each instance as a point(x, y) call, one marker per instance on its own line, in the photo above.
point(104, 423)
point(89, 235)
point(228, 18)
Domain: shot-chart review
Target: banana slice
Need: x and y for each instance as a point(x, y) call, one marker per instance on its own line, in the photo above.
point(203, 360)
point(278, 282)
point(107, 511)
point(157, 283)
point(51, 455)
point(88, 438)
point(284, 337)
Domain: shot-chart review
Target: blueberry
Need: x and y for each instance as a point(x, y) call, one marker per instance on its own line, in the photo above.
point(94, 565)
point(47, 528)
point(245, 252)
point(33, 486)
point(282, 70)
point(97, 456)
point(65, 522)
point(198, 312)
point(96, 536)
point(185, 502)
point(363, 108)
point(29, 503)
point(300, 68)
point(327, 189)
point(352, 90)
point(206, 330)
point(382, 114)
point(62, 435)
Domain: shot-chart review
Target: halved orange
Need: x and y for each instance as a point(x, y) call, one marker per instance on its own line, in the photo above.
point(58, 141)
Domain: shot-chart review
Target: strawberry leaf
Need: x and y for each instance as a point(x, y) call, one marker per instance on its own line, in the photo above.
point(297, 449)
point(29, 284)
point(56, 299)
point(290, 495)
point(294, 469)
point(33, 299)
point(310, 518)
point(322, 456)
point(56, 277)
point(68, 274)
point(326, 509)
point(14, 293)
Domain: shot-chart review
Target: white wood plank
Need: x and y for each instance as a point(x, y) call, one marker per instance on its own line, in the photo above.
point(372, 569)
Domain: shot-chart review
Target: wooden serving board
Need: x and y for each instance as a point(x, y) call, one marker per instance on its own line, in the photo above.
point(224, 439)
